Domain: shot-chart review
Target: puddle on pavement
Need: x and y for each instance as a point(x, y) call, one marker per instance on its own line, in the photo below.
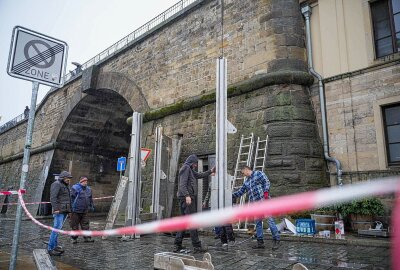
point(299, 255)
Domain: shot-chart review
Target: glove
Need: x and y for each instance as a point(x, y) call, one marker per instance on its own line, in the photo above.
point(266, 195)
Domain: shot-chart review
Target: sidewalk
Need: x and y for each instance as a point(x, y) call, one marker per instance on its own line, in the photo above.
point(314, 253)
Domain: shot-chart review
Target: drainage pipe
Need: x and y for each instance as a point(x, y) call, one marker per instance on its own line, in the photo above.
point(306, 11)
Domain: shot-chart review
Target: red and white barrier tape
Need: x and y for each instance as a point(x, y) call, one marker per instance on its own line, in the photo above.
point(29, 203)
point(13, 192)
point(273, 207)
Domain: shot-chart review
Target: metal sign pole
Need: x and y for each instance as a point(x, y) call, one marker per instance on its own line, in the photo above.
point(24, 173)
point(221, 122)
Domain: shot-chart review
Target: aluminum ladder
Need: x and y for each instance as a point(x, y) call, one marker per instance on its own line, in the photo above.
point(259, 161)
point(246, 151)
point(245, 156)
point(260, 154)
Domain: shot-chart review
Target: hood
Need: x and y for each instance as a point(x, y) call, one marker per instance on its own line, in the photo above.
point(191, 159)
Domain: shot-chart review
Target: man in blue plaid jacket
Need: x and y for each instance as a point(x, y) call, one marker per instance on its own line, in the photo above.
point(257, 185)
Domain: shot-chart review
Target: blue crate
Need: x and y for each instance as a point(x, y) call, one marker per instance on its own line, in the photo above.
point(305, 226)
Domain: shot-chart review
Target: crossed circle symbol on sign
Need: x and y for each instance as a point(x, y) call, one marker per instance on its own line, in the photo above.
point(46, 61)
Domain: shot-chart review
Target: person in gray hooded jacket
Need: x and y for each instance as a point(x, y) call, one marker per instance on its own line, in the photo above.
point(61, 202)
point(187, 198)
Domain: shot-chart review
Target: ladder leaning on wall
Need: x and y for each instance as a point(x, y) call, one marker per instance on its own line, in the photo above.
point(245, 155)
point(261, 154)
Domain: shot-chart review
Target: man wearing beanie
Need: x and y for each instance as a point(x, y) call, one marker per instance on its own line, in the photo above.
point(82, 202)
point(187, 199)
point(61, 203)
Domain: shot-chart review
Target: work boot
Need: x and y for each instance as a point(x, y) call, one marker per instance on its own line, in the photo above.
point(276, 244)
point(199, 249)
point(88, 240)
point(59, 249)
point(74, 241)
point(178, 248)
point(260, 244)
point(54, 253)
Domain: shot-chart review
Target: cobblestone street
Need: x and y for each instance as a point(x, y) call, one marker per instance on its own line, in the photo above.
point(138, 254)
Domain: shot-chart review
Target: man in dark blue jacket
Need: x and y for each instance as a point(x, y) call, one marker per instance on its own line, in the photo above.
point(82, 202)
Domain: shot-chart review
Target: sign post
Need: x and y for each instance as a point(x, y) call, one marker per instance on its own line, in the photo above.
point(41, 59)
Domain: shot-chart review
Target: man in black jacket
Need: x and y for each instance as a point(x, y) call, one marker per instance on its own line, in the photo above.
point(187, 198)
point(61, 202)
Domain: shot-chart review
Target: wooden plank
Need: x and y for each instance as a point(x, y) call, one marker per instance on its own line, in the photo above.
point(43, 260)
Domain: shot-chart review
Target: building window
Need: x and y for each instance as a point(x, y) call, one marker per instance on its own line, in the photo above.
point(391, 116)
point(386, 24)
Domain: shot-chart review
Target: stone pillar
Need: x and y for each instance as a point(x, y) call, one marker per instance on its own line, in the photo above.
point(295, 161)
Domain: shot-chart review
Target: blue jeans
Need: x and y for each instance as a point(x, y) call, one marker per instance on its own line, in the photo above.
point(217, 231)
point(272, 226)
point(58, 222)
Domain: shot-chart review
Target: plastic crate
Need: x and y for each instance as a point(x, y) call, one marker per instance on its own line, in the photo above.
point(305, 226)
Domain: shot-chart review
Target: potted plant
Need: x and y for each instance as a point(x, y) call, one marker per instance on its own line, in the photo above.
point(361, 213)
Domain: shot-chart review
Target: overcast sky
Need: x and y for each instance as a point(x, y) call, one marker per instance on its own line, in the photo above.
point(88, 26)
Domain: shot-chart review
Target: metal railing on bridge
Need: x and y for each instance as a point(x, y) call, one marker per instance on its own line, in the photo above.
point(139, 33)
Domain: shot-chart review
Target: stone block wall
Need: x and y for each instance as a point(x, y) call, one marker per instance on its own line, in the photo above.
point(353, 120)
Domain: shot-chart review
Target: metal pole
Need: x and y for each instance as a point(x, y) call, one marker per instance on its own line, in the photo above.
point(24, 173)
point(221, 123)
point(155, 202)
point(134, 171)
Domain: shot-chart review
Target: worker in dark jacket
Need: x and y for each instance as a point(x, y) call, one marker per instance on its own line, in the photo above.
point(82, 202)
point(61, 203)
point(187, 191)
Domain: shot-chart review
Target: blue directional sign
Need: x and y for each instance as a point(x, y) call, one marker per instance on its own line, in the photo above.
point(121, 164)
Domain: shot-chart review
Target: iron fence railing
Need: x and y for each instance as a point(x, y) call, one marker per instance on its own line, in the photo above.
point(116, 47)
point(13, 122)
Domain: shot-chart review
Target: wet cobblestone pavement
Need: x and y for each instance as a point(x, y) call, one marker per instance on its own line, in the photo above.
point(138, 253)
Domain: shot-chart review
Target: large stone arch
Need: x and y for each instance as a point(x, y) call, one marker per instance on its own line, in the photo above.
point(92, 131)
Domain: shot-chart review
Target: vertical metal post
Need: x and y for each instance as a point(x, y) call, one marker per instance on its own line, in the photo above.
point(155, 200)
point(221, 123)
point(133, 207)
point(199, 203)
point(24, 173)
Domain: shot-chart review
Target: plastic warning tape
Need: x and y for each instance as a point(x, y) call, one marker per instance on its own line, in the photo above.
point(272, 207)
point(29, 203)
point(12, 192)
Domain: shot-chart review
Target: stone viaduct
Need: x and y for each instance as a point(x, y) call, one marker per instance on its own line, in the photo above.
point(169, 75)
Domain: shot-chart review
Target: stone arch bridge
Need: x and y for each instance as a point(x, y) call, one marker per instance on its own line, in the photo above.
point(168, 73)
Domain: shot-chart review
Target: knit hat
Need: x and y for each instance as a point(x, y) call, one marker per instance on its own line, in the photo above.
point(82, 179)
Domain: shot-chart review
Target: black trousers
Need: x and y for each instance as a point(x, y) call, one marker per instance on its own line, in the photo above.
point(227, 233)
point(79, 219)
point(187, 210)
